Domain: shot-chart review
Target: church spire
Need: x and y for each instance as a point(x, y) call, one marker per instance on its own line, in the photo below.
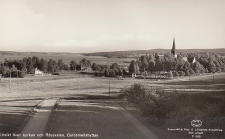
point(173, 51)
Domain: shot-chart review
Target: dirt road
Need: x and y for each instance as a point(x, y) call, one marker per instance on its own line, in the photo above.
point(102, 119)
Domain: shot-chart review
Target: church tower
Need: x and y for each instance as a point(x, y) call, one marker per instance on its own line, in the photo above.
point(173, 51)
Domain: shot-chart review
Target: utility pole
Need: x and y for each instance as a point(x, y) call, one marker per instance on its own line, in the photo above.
point(10, 81)
point(213, 77)
point(109, 87)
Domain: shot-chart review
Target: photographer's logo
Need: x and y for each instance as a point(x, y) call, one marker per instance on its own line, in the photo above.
point(196, 123)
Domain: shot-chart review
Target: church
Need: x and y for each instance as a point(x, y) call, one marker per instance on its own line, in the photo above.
point(174, 53)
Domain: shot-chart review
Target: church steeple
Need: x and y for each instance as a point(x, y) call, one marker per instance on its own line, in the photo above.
point(173, 51)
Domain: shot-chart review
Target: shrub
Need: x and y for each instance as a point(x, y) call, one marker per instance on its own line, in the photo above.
point(151, 102)
point(157, 103)
point(134, 94)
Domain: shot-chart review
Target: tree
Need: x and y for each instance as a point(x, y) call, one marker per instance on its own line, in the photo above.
point(187, 73)
point(179, 62)
point(125, 72)
point(198, 68)
point(186, 66)
point(44, 65)
point(95, 67)
point(85, 63)
point(36, 62)
point(30, 66)
point(115, 67)
point(191, 71)
point(159, 64)
point(73, 65)
point(60, 64)
point(144, 63)
point(112, 72)
point(52, 66)
point(212, 67)
point(120, 73)
point(3, 69)
point(106, 72)
point(132, 67)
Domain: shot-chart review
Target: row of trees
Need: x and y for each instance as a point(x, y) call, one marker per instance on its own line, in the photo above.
point(28, 65)
point(204, 63)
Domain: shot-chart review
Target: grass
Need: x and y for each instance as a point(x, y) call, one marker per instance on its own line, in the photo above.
point(14, 114)
point(72, 85)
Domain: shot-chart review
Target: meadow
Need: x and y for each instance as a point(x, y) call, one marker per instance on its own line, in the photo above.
point(200, 89)
point(74, 84)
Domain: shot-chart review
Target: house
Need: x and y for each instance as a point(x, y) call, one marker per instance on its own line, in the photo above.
point(86, 68)
point(37, 72)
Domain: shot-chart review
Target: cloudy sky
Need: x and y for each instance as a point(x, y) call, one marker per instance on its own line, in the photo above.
point(110, 25)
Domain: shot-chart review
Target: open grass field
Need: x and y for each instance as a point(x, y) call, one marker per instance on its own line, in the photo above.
point(69, 57)
point(74, 84)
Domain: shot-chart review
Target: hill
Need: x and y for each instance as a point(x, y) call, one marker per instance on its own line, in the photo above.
point(137, 53)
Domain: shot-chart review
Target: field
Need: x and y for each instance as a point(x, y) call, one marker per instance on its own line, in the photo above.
point(74, 85)
point(69, 57)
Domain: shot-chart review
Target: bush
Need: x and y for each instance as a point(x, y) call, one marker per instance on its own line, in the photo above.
point(134, 94)
point(151, 102)
point(157, 103)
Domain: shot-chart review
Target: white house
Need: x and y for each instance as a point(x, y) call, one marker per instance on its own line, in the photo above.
point(38, 72)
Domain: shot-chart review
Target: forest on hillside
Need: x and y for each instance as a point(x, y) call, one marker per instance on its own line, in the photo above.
point(138, 53)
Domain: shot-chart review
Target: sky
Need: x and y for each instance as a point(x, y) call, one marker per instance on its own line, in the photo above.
point(82, 26)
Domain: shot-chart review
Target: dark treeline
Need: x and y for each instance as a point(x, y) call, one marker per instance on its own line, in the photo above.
point(204, 63)
point(28, 65)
